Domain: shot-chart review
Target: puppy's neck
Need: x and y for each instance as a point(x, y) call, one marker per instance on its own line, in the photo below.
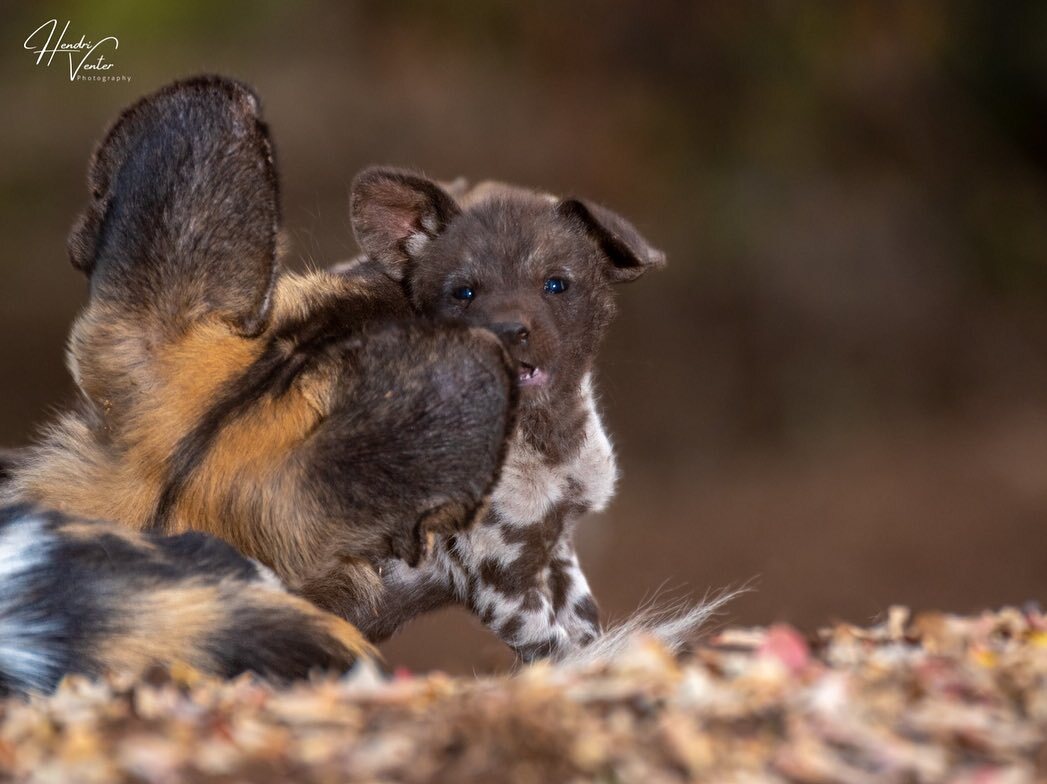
point(556, 459)
point(555, 426)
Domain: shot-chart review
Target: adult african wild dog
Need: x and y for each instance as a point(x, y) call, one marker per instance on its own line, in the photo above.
point(539, 271)
point(311, 421)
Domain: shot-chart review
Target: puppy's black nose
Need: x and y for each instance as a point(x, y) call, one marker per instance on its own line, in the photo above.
point(512, 333)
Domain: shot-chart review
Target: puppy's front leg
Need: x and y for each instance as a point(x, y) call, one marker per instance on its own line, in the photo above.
point(557, 613)
point(505, 580)
point(572, 599)
point(538, 605)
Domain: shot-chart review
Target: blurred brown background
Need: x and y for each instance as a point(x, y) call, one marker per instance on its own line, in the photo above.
point(839, 385)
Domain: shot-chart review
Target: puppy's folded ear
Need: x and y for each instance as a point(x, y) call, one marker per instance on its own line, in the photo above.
point(628, 254)
point(182, 219)
point(394, 213)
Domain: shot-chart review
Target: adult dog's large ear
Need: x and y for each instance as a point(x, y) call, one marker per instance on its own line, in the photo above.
point(628, 254)
point(394, 213)
point(183, 215)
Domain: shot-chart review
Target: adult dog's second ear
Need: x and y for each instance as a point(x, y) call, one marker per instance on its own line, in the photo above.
point(183, 213)
point(395, 212)
point(628, 254)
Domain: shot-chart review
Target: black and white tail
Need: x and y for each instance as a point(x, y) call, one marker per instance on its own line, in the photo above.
point(89, 597)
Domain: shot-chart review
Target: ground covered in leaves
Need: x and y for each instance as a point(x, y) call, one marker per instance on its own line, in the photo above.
point(921, 698)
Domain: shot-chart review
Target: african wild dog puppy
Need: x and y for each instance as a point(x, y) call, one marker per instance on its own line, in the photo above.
point(311, 421)
point(538, 271)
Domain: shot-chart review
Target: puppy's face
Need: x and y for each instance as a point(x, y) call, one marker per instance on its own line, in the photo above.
point(516, 266)
point(534, 269)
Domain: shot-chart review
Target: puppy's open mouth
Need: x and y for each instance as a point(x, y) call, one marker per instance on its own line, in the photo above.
point(531, 376)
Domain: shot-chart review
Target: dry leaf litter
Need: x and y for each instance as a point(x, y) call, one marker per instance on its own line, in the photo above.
point(922, 698)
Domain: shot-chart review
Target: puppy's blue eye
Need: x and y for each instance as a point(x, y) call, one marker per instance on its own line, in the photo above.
point(465, 293)
point(555, 286)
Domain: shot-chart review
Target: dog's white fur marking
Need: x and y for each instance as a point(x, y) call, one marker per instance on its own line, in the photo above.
point(22, 546)
point(528, 488)
point(485, 541)
point(594, 467)
point(24, 658)
point(537, 629)
point(416, 242)
point(268, 577)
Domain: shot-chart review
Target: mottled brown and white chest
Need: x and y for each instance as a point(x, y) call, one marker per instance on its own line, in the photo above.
point(532, 485)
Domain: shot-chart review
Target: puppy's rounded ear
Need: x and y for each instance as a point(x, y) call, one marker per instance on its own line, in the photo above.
point(395, 213)
point(627, 253)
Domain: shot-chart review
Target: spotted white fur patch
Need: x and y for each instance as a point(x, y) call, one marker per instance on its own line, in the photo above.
point(536, 630)
point(488, 542)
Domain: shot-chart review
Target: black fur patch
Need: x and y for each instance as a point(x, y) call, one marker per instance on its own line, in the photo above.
point(534, 651)
point(274, 642)
point(418, 426)
point(559, 582)
point(509, 629)
point(508, 579)
point(10, 459)
point(587, 610)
